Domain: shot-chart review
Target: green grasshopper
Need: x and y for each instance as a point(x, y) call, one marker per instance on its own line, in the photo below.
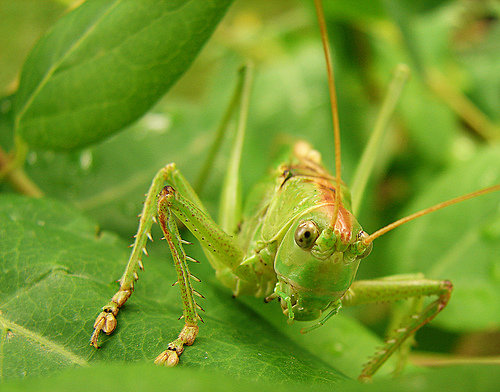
point(296, 240)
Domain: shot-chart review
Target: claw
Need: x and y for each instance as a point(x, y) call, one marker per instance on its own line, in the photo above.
point(98, 325)
point(100, 320)
point(110, 324)
point(105, 322)
point(167, 358)
point(170, 357)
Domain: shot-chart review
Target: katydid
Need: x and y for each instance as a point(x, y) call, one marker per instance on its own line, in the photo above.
point(296, 240)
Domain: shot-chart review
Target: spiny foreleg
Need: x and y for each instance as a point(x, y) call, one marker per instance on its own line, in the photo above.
point(393, 289)
point(166, 218)
point(106, 321)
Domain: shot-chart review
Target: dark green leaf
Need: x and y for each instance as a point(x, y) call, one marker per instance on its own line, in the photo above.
point(105, 64)
point(138, 377)
point(56, 272)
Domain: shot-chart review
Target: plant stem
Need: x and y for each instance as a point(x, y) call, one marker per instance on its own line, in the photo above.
point(16, 176)
point(367, 162)
point(461, 105)
point(433, 359)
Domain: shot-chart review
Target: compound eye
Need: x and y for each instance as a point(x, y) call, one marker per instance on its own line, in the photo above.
point(307, 232)
point(361, 236)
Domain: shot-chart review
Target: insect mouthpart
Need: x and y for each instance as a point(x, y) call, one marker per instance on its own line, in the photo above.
point(361, 249)
point(327, 244)
point(300, 312)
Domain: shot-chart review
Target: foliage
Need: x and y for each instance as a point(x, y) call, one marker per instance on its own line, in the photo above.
point(104, 64)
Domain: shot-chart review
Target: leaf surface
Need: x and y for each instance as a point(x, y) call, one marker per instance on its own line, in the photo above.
point(134, 377)
point(105, 64)
point(57, 271)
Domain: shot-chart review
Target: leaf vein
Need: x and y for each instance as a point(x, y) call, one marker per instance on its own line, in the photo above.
point(49, 344)
point(56, 65)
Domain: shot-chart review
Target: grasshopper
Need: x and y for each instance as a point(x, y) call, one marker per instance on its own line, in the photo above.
point(296, 240)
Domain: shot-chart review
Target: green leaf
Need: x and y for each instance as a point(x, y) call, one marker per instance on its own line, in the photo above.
point(138, 377)
point(460, 243)
point(57, 270)
point(105, 64)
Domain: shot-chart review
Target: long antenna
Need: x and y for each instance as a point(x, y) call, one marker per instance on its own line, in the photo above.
point(333, 102)
point(426, 211)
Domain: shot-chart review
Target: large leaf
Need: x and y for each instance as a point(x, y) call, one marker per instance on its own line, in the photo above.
point(137, 377)
point(460, 243)
point(57, 270)
point(104, 64)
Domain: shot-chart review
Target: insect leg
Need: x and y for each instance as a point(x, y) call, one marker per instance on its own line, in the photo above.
point(277, 293)
point(230, 201)
point(393, 289)
point(106, 321)
point(171, 205)
point(333, 309)
point(221, 131)
point(399, 314)
point(170, 356)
